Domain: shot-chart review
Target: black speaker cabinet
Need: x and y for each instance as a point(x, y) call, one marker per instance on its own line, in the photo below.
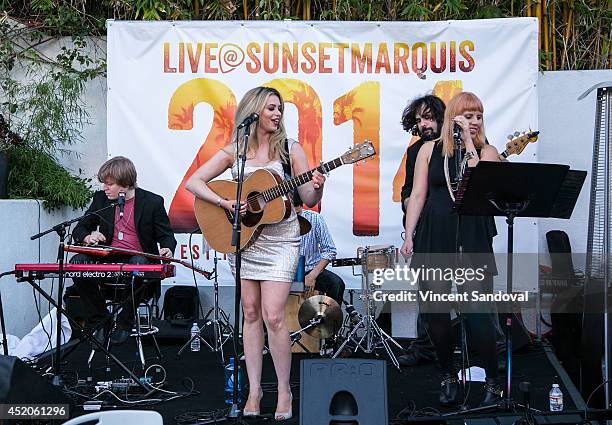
point(343, 392)
point(20, 384)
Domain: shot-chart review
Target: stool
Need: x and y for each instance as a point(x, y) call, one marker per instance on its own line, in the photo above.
point(142, 326)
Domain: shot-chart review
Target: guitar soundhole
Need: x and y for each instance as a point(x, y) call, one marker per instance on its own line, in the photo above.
point(256, 203)
point(254, 211)
point(251, 219)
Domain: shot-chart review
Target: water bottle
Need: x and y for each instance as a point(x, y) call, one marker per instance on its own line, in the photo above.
point(229, 382)
point(195, 337)
point(555, 398)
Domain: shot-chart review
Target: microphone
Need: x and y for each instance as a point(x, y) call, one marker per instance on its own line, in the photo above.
point(249, 120)
point(415, 130)
point(457, 131)
point(458, 156)
point(121, 203)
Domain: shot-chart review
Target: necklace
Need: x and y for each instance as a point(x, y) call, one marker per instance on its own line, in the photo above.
point(460, 172)
point(126, 221)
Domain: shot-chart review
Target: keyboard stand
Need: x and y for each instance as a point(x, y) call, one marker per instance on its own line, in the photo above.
point(89, 335)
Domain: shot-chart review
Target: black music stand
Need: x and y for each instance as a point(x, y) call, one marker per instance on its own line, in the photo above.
point(513, 190)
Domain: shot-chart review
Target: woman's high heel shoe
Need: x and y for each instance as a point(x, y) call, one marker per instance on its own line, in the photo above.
point(283, 416)
point(254, 412)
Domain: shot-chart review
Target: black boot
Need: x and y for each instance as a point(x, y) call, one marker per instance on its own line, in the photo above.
point(493, 392)
point(449, 391)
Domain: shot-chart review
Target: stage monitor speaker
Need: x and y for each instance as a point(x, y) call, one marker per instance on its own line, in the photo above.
point(343, 392)
point(493, 420)
point(478, 421)
point(558, 419)
point(20, 384)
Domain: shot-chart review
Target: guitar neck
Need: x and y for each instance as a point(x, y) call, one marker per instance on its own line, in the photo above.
point(505, 154)
point(294, 183)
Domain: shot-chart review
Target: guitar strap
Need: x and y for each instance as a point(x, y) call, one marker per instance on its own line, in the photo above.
point(287, 170)
point(287, 162)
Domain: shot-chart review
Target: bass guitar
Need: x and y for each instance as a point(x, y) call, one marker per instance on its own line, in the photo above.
point(518, 142)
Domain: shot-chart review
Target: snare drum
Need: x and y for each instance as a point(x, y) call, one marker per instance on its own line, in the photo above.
point(377, 257)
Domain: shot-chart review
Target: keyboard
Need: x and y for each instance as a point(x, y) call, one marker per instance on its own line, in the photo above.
point(100, 270)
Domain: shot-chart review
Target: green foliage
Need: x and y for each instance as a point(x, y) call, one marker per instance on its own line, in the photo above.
point(271, 10)
point(35, 174)
point(40, 101)
point(489, 11)
point(218, 10)
point(415, 11)
point(453, 9)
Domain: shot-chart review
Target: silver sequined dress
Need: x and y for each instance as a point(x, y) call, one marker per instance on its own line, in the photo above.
point(273, 255)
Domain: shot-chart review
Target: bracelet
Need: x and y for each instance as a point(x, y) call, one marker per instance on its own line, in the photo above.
point(219, 202)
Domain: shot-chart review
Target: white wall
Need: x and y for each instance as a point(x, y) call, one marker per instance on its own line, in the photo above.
point(567, 128)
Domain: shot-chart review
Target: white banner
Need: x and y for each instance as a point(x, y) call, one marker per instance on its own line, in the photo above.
point(173, 88)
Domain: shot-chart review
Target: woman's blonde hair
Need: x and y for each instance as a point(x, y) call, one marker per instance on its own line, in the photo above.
point(255, 100)
point(462, 102)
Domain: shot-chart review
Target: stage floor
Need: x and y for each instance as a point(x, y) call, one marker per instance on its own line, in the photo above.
point(412, 393)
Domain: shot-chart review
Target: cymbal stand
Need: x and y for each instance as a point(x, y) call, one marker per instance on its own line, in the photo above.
point(352, 315)
point(297, 335)
point(374, 337)
point(222, 329)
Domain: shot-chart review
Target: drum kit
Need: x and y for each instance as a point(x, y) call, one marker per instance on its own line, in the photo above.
point(321, 317)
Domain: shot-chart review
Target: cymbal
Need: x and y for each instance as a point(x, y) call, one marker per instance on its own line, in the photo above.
point(327, 309)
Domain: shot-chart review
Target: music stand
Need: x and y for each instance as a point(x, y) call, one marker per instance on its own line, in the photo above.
point(513, 190)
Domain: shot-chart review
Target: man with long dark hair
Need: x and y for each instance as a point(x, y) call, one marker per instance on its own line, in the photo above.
point(422, 117)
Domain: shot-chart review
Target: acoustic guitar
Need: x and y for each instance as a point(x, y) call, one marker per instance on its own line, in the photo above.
point(267, 203)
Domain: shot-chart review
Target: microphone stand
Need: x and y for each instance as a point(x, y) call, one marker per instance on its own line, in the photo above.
point(60, 229)
point(2, 325)
point(236, 232)
point(459, 243)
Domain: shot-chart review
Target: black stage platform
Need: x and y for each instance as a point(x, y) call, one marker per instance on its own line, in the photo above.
point(412, 394)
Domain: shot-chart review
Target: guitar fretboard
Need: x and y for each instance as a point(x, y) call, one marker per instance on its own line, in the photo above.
point(288, 185)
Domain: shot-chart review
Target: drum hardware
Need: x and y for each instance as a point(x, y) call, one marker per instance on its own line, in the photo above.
point(370, 258)
point(353, 315)
point(222, 329)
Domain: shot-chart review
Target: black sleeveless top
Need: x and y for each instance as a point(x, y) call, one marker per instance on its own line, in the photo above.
point(438, 230)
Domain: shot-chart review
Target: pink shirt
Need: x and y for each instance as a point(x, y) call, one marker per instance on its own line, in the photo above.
point(125, 235)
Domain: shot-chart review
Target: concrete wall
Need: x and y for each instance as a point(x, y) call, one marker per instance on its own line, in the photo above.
point(21, 219)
